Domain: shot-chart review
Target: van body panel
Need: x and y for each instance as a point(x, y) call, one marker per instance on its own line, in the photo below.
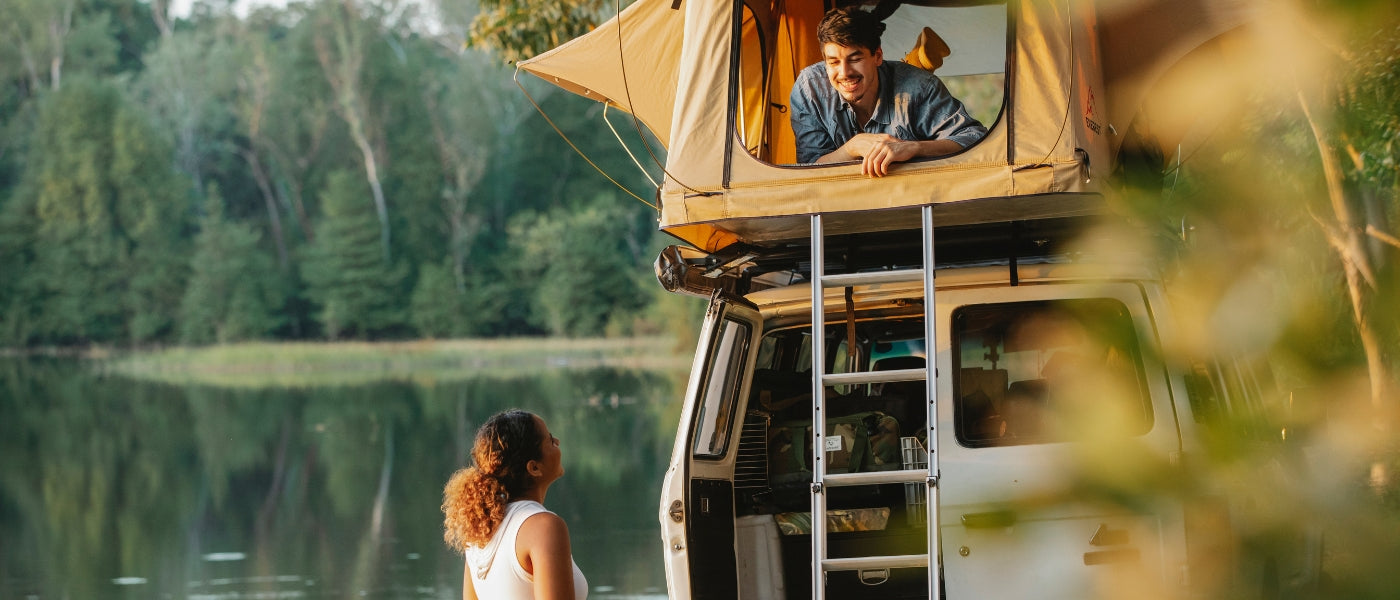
point(1041, 547)
point(1047, 557)
point(1019, 518)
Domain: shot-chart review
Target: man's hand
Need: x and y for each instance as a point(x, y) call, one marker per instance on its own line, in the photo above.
point(877, 151)
point(883, 151)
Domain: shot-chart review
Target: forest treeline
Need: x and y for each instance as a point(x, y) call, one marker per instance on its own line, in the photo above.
point(323, 170)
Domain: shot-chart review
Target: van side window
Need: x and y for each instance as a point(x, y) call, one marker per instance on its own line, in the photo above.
point(1235, 396)
point(1206, 403)
point(721, 390)
point(1038, 372)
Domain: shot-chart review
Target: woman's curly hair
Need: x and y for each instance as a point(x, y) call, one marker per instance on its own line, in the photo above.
point(474, 500)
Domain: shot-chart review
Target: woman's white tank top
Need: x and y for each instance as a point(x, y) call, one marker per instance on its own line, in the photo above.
point(496, 574)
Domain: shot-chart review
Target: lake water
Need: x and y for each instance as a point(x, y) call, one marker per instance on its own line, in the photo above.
point(116, 488)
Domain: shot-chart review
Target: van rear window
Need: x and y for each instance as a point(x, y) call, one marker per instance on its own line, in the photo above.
point(716, 416)
point(1038, 372)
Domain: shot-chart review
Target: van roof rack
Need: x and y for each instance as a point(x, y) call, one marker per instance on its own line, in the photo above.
point(737, 269)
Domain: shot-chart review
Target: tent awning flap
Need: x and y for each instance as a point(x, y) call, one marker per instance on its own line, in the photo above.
point(645, 39)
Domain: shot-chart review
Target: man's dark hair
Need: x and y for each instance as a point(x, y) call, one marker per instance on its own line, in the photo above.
point(851, 27)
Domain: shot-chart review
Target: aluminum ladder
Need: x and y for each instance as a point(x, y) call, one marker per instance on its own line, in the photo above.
point(821, 381)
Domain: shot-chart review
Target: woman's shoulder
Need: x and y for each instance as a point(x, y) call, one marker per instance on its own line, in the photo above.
point(544, 527)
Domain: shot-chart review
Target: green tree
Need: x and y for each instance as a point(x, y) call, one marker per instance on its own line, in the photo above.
point(232, 295)
point(40, 31)
point(346, 273)
point(519, 29)
point(188, 87)
point(16, 296)
point(153, 215)
point(283, 107)
point(576, 266)
point(463, 101)
point(343, 40)
point(437, 308)
point(45, 40)
point(108, 218)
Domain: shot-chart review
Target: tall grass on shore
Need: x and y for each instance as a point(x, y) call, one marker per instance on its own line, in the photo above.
point(300, 364)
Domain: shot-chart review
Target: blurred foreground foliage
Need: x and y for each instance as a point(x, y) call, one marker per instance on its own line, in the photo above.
point(1274, 206)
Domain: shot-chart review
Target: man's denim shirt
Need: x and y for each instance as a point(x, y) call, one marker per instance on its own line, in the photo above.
point(914, 105)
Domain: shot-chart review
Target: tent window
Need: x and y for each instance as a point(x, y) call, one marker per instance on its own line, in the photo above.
point(779, 39)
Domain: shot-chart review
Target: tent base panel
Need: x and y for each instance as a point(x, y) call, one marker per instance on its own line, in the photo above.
point(785, 229)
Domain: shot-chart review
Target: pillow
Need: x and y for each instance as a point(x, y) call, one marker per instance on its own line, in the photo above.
point(928, 52)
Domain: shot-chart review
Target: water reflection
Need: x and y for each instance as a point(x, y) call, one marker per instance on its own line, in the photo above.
point(115, 488)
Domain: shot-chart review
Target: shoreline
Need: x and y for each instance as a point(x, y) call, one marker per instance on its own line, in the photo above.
point(300, 364)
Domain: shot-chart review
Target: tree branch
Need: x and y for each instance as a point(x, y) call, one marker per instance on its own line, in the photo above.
point(160, 12)
point(1332, 172)
point(1347, 239)
point(1372, 231)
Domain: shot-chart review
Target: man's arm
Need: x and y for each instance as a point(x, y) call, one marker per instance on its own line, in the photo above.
point(877, 151)
point(945, 117)
point(813, 140)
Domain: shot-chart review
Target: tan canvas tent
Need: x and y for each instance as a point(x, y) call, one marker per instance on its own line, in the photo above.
point(710, 78)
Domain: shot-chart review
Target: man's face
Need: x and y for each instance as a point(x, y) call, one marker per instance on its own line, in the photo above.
point(852, 71)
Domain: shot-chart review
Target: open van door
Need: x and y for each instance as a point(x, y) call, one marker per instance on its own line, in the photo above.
point(697, 500)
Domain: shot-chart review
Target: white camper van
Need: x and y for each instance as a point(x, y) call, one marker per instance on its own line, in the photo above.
point(1049, 418)
point(914, 386)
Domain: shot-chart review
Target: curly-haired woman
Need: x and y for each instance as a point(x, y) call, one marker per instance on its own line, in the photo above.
point(515, 549)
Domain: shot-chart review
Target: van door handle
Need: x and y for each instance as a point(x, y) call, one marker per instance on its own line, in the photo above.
point(1103, 536)
point(989, 520)
point(1116, 555)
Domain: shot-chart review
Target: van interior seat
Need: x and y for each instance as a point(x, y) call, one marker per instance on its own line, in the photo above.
point(981, 393)
point(904, 400)
point(1024, 408)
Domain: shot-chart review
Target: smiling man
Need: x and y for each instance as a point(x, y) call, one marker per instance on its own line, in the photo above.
point(854, 105)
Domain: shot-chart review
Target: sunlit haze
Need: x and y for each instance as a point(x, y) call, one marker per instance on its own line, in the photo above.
point(427, 20)
point(181, 8)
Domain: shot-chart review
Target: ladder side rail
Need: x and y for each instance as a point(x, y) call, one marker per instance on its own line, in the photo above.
point(931, 498)
point(818, 242)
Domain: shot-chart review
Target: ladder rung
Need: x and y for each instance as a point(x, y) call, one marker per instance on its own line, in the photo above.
point(876, 477)
point(875, 562)
point(872, 278)
point(873, 377)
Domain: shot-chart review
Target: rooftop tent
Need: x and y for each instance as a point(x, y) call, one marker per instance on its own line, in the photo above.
point(687, 69)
